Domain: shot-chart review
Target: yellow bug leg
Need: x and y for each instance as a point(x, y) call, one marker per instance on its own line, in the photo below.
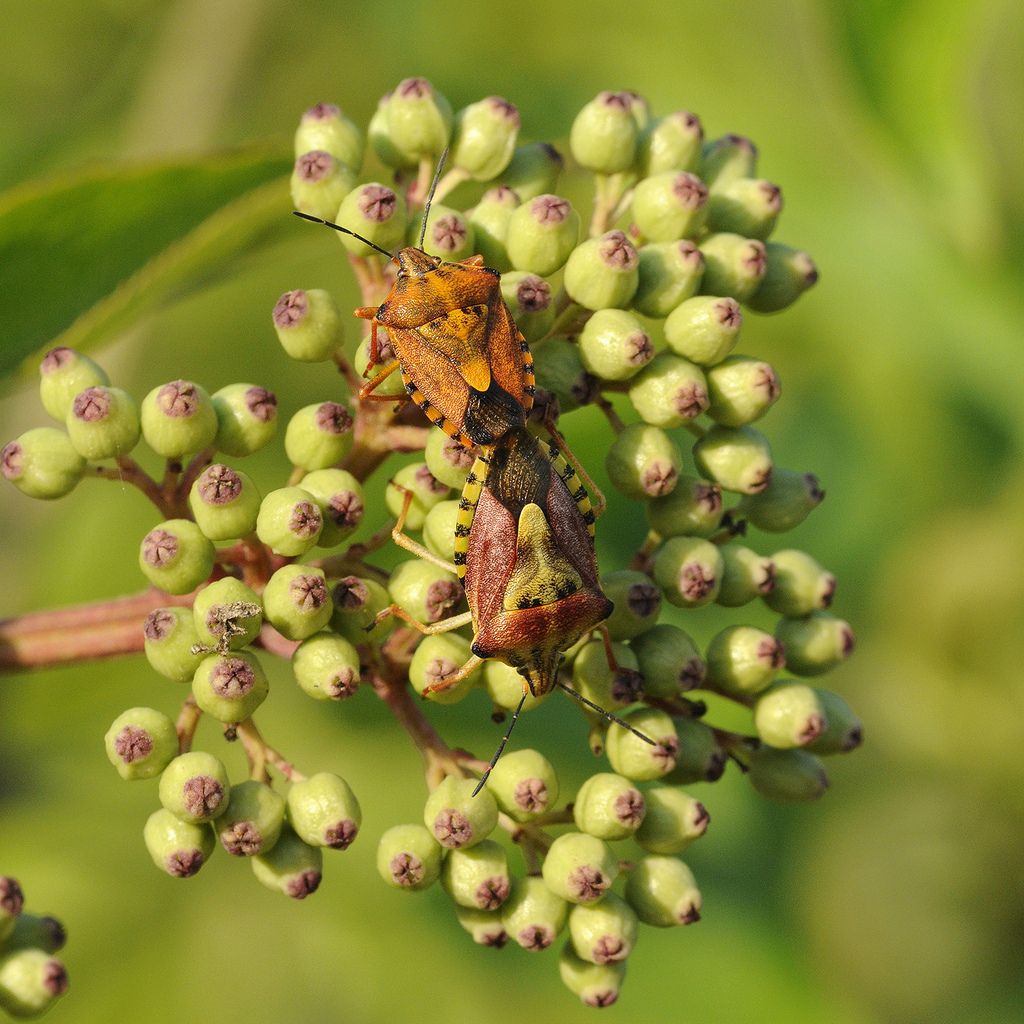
point(366, 392)
point(455, 678)
point(598, 502)
point(403, 540)
point(444, 626)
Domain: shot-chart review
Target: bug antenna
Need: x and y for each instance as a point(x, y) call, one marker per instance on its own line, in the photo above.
point(604, 714)
point(346, 231)
point(430, 194)
point(501, 745)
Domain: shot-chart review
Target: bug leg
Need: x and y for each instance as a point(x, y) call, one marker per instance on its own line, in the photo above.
point(455, 678)
point(403, 540)
point(426, 628)
point(626, 682)
point(366, 392)
point(597, 500)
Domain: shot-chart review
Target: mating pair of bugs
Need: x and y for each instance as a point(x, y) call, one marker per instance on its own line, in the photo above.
point(524, 545)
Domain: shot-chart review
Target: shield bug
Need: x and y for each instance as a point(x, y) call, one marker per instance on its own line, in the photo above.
point(462, 359)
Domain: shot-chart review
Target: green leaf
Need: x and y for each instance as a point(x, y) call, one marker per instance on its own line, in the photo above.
point(84, 256)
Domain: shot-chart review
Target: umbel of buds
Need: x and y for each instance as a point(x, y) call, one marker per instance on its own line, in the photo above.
point(485, 323)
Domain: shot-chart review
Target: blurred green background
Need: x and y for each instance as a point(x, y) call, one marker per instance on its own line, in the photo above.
point(894, 127)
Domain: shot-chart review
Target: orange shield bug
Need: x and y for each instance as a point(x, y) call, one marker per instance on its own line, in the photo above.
point(463, 360)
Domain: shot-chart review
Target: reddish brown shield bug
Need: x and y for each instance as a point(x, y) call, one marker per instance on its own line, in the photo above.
point(463, 360)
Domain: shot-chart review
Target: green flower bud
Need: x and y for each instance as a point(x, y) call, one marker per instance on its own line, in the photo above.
point(318, 435)
point(376, 212)
point(484, 138)
point(559, 370)
point(324, 811)
point(419, 120)
point(669, 391)
point(733, 265)
point(449, 234)
point(194, 787)
point(614, 345)
point(326, 667)
point(643, 462)
point(670, 206)
point(455, 817)
point(605, 933)
point(688, 570)
point(542, 233)
point(103, 423)
point(12, 904)
point(604, 134)
point(668, 660)
point(227, 612)
point(478, 876)
point(789, 273)
point(670, 273)
point(743, 660)
point(339, 496)
point(319, 183)
point(178, 419)
point(297, 602)
point(637, 759)
point(524, 784)
point(787, 775)
point(663, 892)
point(694, 508)
point(426, 489)
point(42, 463)
point(789, 714)
point(533, 170)
point(289, 521)
point(140, 743)
point(391, 386)
point(603, 272)
point(727, 158)
point(225, 502)
point(785, 503)
point(670, 143)
point(426, 591)
point(489, 219)
point(704, 329)
point(745, 575)
point(484, 926)
point(745, 206)
point(246, 418)
point(579, 868)
point(325, 127)
point(608, 806)
point(33, 931)
point(596, 984)
point(31, 981)
point(64, 373)
point(380, 139)
point(674, 819)
point(737, 458)
point(252, 821)
point(528, 298)
point(741, 390)
point(308, 325)
point(230, 687)
point(408, 857)
point(175, 556)
point(290, 866)
point(594, 678)
point(699, 758)
point(533, 915)
point(844, 731)
point(448, 461)
point(801, 586)
point(637, 602)
point(438, 657)
point(356, 604)
point(178, 847)
point(815, 644)
point(505, 687)
point(439, 528)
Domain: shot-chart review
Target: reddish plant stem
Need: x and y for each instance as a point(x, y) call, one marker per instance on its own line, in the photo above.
point(260, 754)
point(187, 723)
